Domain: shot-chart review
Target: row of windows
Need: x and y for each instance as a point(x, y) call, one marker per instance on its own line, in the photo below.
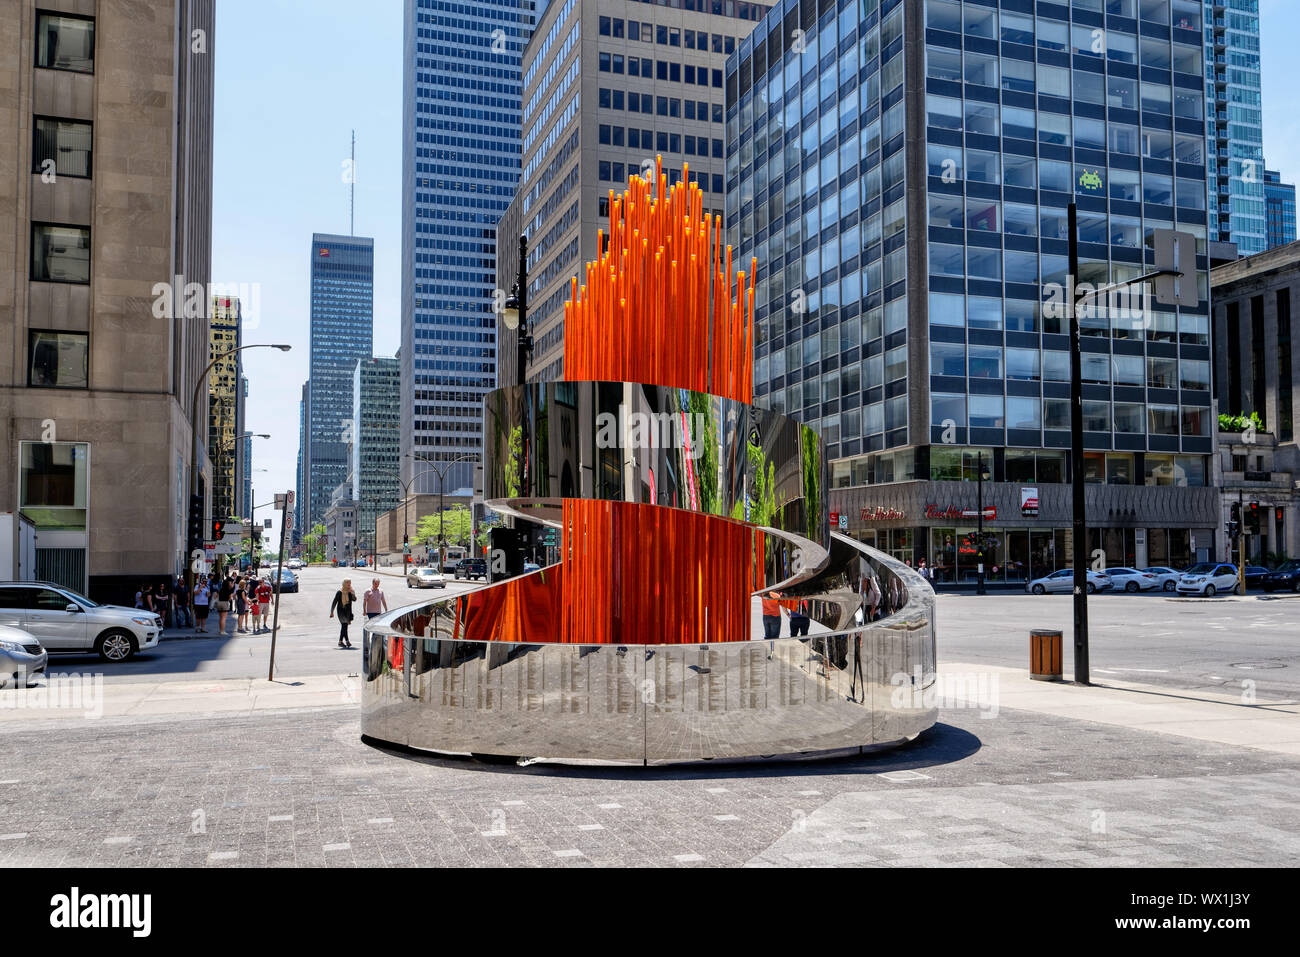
point(665, 35)
point(639, 139)
point(660, 70)
point(1033, 414)
point(1031, 365)
point(611, 172)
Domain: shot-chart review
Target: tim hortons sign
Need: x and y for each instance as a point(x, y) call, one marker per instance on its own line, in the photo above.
point(882, 514)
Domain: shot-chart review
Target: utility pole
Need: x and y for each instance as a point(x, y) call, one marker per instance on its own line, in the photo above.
point(979, 505)
point(1079, 524)
point(1241, 543)
point(279, 571)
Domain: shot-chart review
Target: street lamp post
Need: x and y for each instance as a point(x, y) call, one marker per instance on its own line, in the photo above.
point(515, 315)
point(979, 507)
point(442, 479)
point(194, 423)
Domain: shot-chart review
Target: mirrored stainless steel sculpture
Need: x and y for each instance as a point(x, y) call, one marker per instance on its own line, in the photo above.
point(701, 608)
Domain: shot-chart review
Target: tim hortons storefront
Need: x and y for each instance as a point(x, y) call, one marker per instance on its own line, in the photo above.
point(1027, 529)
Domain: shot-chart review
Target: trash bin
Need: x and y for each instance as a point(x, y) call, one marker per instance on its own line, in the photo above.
point(1045, 655)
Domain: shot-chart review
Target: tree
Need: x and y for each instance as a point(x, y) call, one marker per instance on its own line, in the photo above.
point(313, 544)
point(455, 525)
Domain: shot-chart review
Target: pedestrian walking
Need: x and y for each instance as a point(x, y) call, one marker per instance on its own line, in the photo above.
point(771, 615)
point(343, 601)
point(374, 602)
point(225, 594)
point(181, 603)
point(264, 595)
point(254, 604)
point(799, 619)
point(202, 601)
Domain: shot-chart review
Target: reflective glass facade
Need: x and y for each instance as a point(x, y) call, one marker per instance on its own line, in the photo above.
point(342, 331)
point(1280, 201)
point(1235, 123)
point(460, 166)
point(909, 216)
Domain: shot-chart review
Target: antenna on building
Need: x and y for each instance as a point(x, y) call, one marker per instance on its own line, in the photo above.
point(352, 192)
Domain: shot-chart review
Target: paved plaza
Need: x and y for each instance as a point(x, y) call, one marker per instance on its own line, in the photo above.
point(190, 756)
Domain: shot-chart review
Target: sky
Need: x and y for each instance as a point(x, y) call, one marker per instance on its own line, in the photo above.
point(295, 78)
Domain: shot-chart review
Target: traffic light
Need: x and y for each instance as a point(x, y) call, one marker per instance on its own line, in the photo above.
point(1233, 529)
point(194, 536)
point(218, 527)
point(1279, 515)
point(1252, 518)
point(1236, 512)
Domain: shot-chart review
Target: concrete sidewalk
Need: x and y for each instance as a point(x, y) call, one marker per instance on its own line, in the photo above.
point(1232, 719)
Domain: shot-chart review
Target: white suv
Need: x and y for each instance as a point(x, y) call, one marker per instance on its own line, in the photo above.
point(1208, 579)
point(66, 622)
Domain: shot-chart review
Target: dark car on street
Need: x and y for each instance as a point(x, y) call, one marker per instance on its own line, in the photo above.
point(1255, 575)
point(1283, 578)
point(471, 568)
point(288, 581)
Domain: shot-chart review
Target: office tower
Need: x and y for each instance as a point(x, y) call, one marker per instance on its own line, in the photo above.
point(245, 503)
point(226, 408)
point(1279, 200)
point(300, 490)
point(376, 445)
point(607, 88)
point(99, 396)
point(902, 171)
point(1256, 361)
point(342, 331)
point(460, 164)
point(1234, 114)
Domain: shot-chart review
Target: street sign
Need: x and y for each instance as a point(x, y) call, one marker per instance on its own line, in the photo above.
point(844, 521)
point(280, 499)
point(990, 512)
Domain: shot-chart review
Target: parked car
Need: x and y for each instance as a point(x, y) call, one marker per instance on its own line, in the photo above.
point(1208, 579)
point(1255, 575)
point(1063, 581)
point(1286, 575)
point(294, 563)
point(425, 577)
point(360, 563)
point(1131, 580)
point(471, 568)
point(1166, 578)
point(21, 655)
point(288, 581)
point(66, 622)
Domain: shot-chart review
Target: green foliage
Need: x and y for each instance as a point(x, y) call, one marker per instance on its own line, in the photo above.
point(1239, 423)
point(812, 480)
point(455, 525)
point(706, 465)
point(762, 490)
point(313, 544)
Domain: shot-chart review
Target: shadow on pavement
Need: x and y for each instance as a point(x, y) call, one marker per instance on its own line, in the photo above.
point(942, 744)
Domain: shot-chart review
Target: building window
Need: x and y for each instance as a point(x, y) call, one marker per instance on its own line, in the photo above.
point(61, 147)
point(65, 43)
point(60, 253)
point(53, 480)
point(57, 360)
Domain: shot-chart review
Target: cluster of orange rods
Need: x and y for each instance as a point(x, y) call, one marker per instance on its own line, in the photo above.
point(660, 305)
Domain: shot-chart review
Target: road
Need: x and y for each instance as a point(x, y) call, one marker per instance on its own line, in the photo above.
point(1194, 644)
point(306, 643)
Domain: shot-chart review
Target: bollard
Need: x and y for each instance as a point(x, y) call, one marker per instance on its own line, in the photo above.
point(1045, 655)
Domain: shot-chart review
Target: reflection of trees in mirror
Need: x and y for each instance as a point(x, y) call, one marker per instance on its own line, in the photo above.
point(456, 525)
point(812, 480)
point(762, 490)
point(514, 462)
point(706, 469)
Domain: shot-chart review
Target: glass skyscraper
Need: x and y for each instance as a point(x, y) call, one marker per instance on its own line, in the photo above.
point(1235, 122)
point(902, 169)
point(342, 331)
point(460, 166)
point(1280, 206)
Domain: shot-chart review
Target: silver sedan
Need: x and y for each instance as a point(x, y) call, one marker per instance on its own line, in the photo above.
point(21, 656)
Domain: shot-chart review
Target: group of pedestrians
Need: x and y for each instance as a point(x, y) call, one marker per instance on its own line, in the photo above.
point(244, 595)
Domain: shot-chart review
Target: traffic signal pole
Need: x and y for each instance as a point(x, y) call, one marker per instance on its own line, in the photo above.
point(279, 571)
point(1080, 525)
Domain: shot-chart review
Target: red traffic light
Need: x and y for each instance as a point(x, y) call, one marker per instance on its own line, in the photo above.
point(217, 528)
